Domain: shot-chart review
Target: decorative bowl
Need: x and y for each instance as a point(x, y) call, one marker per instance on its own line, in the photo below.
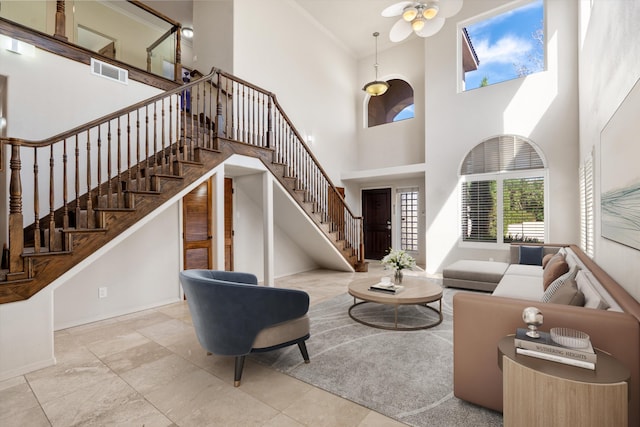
point(569, 337)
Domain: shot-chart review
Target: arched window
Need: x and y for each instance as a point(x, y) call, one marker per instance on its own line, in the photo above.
point(502, 192)
point(394, 105)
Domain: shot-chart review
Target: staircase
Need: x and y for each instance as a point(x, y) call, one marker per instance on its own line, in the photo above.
point(99, 179)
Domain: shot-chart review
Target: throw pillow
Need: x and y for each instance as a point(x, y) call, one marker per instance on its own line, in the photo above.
point(531, 255)
point(553, 271)
point(568, 294)
point(592, 298)
point(560, 281)
point(546, 259)
point(553, 258)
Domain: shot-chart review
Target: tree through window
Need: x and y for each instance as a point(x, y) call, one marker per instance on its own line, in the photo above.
point(502, 192)
point(508, 44)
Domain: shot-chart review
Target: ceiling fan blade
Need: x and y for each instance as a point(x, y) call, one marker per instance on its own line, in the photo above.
point(400, 31)
point(431, 27)
point(396, 9)
point(448, 8)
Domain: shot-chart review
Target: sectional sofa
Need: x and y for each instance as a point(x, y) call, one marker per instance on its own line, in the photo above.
point(606, 311)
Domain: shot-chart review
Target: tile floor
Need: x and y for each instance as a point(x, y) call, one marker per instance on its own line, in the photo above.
point(148, 369)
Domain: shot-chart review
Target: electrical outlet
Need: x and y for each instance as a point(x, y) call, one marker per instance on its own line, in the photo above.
point(102, 292)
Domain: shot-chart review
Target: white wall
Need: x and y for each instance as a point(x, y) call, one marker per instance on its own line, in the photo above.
point(312, 76)
point(138, 273)
point(609, 68)
point(400, 143)
point(45, 82)
point(26, 335)
point(249, 237)
point(542, 107)
point(26, 327)
point(213, 43)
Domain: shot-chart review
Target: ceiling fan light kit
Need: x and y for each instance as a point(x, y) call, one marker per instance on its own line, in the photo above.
point(376, 87)
point(423, 18)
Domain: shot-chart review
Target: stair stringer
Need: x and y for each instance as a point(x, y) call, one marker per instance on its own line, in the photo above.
point(290, 217)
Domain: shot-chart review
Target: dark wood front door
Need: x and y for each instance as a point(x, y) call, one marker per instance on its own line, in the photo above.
point(228, 224)
point(197, 237)
point(376, 210)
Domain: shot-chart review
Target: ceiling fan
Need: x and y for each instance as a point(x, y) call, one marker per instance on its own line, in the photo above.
point(424, 18)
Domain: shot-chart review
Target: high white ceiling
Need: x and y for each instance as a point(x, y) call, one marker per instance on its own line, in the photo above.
point(351, 22)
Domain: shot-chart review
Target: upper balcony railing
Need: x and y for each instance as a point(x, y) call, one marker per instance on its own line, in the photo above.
point(127, 31)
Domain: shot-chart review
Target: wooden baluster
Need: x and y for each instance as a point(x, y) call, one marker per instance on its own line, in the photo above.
point(129, 166)
point(155, 139)
point(228, 102)
point(52, 210)
point(260, 141)
point(109, 173)
point(198, 116)
point(16, 225)
point(36, 203)
point(193, 119)
point(90, 215)
point(171, 141)
point(119, 199)
point(245, 115)
point(222, 106)
point(60, 23)
point(147, 154)
point(269, 122)
point(252, 115)
point(175, 122)
point(77, 182)
point(99, 183)
point(164, 156)
point(138, 175)
point(65, 195)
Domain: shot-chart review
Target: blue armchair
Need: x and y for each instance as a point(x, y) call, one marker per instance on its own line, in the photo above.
point(233, 316)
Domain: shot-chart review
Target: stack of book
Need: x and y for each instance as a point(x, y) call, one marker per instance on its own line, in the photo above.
point(545, 348)
point(386, 287)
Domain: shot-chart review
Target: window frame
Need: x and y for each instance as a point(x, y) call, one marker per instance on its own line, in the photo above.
point(500, 177)
point(510, 6)
point(399, 201)
point(388, 111)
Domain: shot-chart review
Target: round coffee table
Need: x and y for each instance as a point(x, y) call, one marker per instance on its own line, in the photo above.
point(417, 291)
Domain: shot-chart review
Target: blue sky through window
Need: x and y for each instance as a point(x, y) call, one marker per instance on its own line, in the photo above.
point(506, 45)
point(406, 113)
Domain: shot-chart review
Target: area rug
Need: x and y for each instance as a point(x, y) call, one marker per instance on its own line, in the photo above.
point(407, 376)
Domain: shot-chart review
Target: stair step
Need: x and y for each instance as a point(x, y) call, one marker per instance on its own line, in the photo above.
point(84, 230)
point(114, 209)
point(44, 252)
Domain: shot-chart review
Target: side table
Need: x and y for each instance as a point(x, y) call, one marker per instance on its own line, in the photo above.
point(538, 392)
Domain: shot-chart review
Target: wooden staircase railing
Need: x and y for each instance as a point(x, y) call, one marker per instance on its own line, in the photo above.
point(119, 167)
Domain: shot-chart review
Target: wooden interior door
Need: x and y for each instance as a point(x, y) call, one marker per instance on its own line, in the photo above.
point(228, 224)
point(197, 228)
point(376, 211)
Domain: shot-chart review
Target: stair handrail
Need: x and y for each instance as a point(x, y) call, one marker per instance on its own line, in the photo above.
point(106, 118)
point(203, 99)
point(297, 133)
point(16, 219)
point(269, 144)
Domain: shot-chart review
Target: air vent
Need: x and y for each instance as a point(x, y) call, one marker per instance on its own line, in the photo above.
point(109, 71)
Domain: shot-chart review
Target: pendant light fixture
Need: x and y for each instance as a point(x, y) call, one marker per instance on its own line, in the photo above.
point(376, 87)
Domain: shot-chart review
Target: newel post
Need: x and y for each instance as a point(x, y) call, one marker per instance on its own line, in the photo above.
point(60, 21)
point(177, 68)
point(220, 126)
point(16, 234)
point(270, 122)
